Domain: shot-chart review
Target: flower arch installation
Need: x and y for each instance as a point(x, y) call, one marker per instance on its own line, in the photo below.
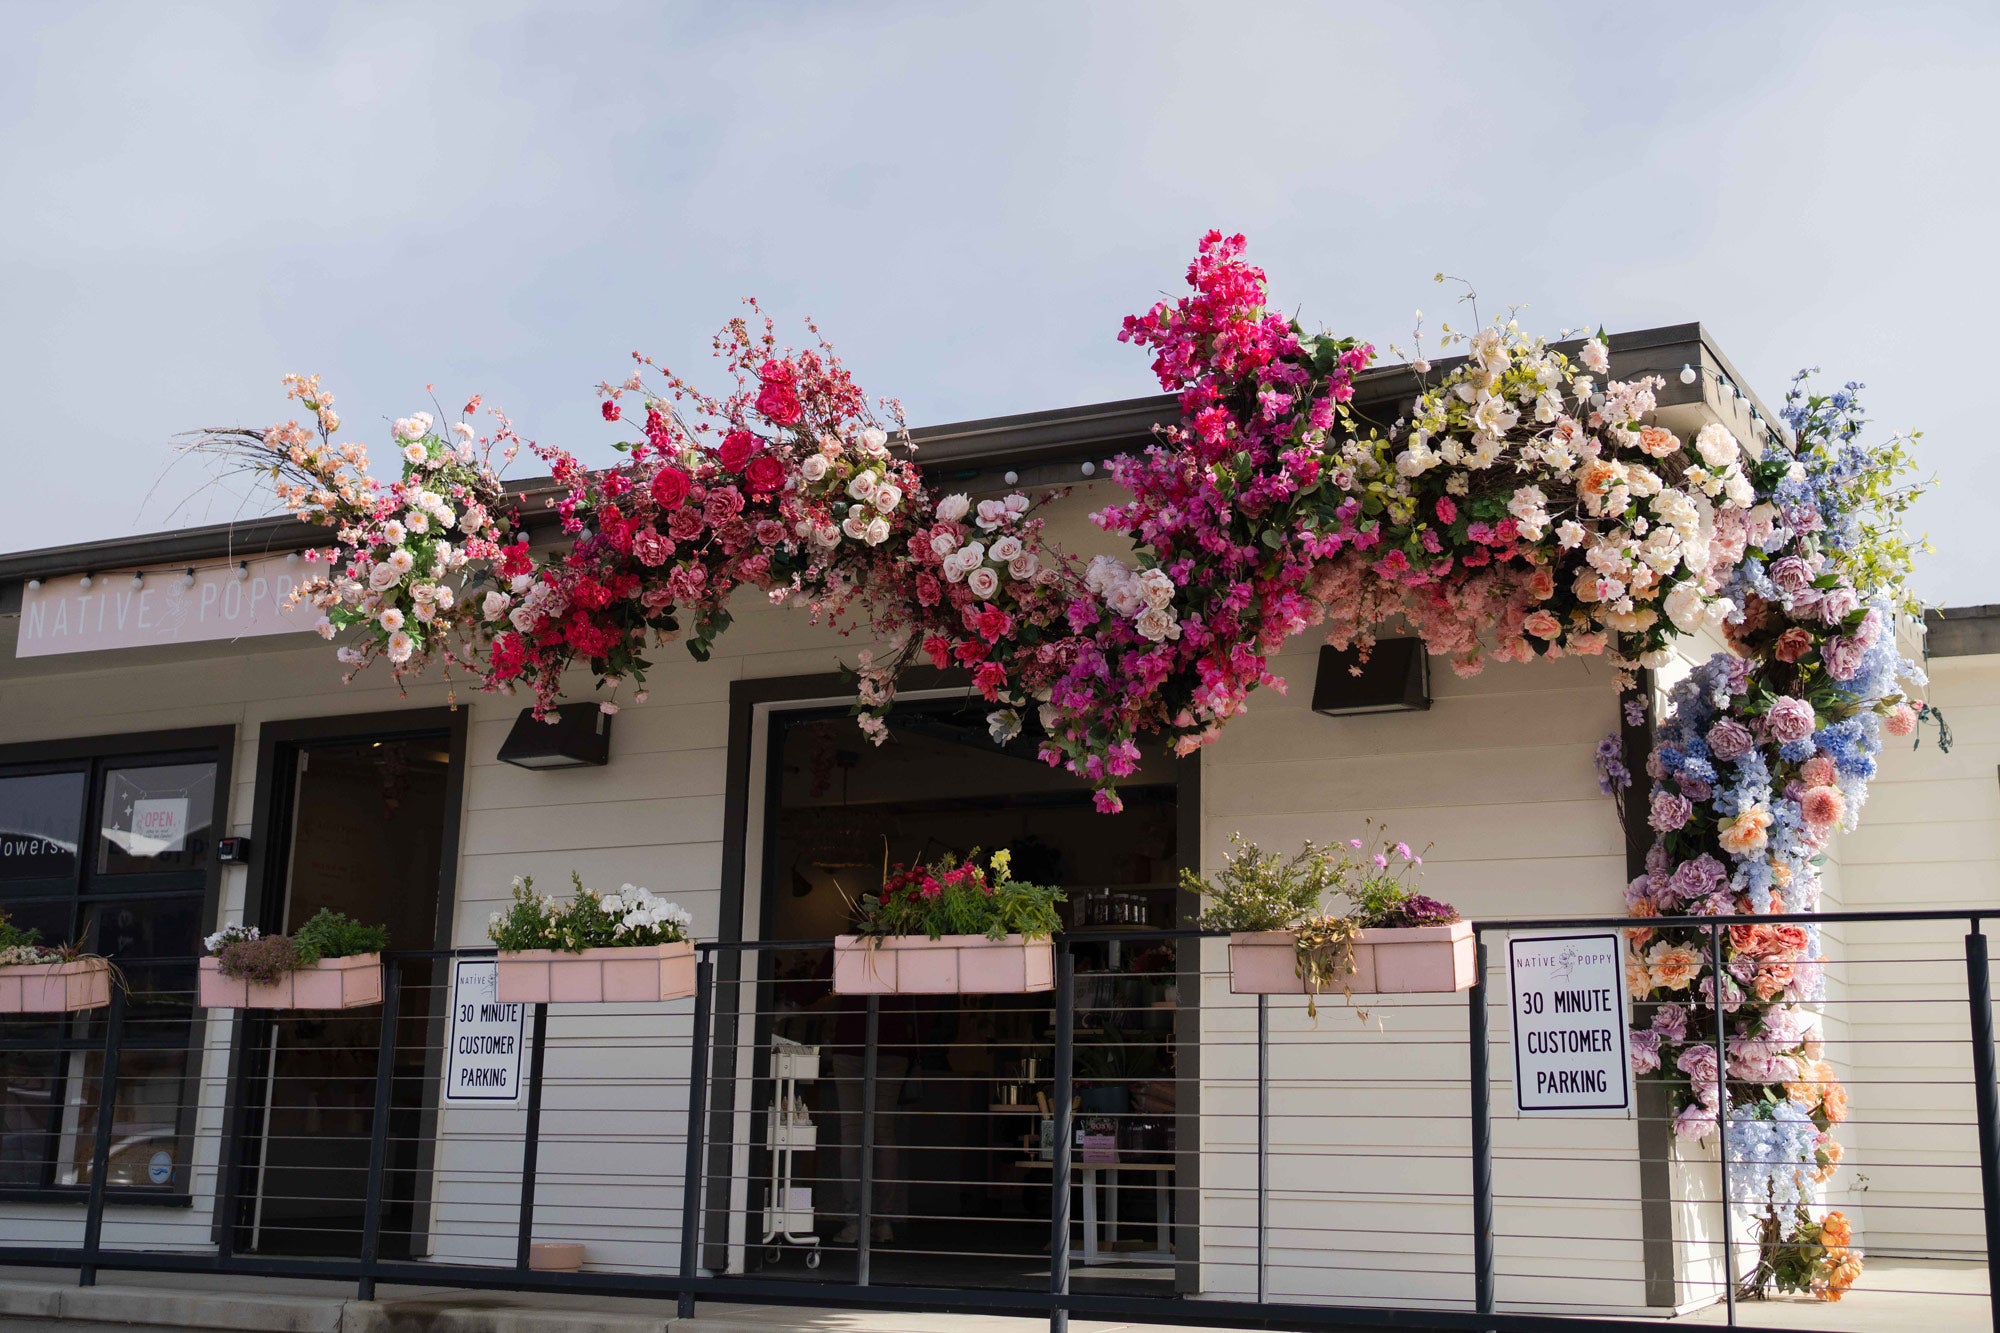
point(1527, 505)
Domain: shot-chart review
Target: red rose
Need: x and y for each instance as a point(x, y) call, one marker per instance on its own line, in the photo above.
point(670, 487)
point(737, 446)
point(1793, 644)
point(993, 623)
point(764, 474)
point(989, 678)
point(939, 649)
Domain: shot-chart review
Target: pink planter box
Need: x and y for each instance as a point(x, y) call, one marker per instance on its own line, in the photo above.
point(950, 965)
point(331, 983)
point(641, 974)
point(55, 988)
point(1406, 961)
point(555, 1256)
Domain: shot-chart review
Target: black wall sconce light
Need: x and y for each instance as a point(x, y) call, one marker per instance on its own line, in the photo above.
point(1396, 678)
point(574, 736)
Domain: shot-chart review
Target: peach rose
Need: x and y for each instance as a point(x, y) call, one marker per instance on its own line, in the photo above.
point(1672, 966)
point(1542, 624)
point(1598, 476)
point(1657, 443)
point(1746, 832)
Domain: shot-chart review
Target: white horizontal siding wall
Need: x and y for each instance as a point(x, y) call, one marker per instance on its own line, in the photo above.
point(1929, 839)
point(1370, 1133)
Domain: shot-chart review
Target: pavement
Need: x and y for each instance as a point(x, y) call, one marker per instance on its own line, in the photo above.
point(1896, 1296)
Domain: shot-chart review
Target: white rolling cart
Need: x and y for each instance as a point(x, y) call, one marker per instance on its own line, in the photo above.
point(789, 1131)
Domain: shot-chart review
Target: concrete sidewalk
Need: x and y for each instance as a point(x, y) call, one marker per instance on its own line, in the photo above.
point(1895, 1297)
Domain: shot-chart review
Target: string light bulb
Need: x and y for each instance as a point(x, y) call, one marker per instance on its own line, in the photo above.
point(187, 578)
point(1687, 374)
point(242, 570)
point(1011, 478)
point(1090, 469)
point(138, 579)
point(85, 582)
point(34, 585)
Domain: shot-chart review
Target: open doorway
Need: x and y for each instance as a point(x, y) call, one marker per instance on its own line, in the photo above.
point(961, 1098)
point(363, 823)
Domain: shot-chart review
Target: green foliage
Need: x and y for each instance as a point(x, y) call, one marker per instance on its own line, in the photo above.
point(332, 934)
point(1259, 890)
point(949, 897)
point(13, 936)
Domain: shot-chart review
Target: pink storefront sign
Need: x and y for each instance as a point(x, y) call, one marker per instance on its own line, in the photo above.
point(641, 974)
point(330, 983)
point(948, 965)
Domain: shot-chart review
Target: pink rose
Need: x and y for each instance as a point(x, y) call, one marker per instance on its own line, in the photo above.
point(1791, 719)
point(1729, 740)
point(650, 548)
point(1842, 656)
point(1792, 645)
point(737, 446)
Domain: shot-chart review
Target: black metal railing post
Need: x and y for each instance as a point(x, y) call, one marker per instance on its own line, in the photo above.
point(531, 1142)
point(1717, 979)
point(864, 1223)
point(1263, 1144)
point(1481, 1077)
point(1979, 1000)
point(378, 1130)
point(697, 1117)
point(100, 1148)
point(1059, 1164)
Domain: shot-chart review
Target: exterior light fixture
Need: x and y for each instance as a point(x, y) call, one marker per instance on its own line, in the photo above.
point(572, 736)
point(1687, 374)
point(1396, 678)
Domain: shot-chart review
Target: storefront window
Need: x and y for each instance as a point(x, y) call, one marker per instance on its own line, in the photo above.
point(41, 822)
point(137, 898)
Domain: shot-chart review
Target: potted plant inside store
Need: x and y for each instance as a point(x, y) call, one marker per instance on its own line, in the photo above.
point(331, 962)
point(1284, 941)
point(628, 947)
point(48, 979)
point(951, 927)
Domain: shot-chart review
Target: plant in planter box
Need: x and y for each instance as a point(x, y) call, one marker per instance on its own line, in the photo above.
point(331, 962)
point(951, 927)
point(36, 978)
point(629, 946)
point(1285, 940)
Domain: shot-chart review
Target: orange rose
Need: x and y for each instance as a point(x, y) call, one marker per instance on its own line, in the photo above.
point(1745, 833)
point(1833, 1096)
point(1598, 476)
point(1836, 1230)
point(1657, 443)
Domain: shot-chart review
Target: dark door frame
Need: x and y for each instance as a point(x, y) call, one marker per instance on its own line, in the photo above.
point(278, 743)
point(745, 698)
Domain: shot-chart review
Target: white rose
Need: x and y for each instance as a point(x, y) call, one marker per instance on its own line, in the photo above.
point(383, 577)
point(878, 531)
point(1157, 624)
point(1015, 504)
point(862, 486)
point(952, 508)
point(1684, 606)
point(1005, 549)
point(1157, 587)
point(974, 553)
point(943, 544)
point(494, 606)
point(1103, 572)
point(524, 618)
point(813, 468)
point(887, 496)
point(855, 526)
point(444, 597)
point(874, 440)
point(1024, 565)
point(1717, 447)
point(983, 581)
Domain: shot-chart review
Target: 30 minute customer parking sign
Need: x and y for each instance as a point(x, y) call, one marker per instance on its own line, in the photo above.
point(1570, 1049)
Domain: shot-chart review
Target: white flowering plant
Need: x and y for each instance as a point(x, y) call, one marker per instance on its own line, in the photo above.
point(633, 917)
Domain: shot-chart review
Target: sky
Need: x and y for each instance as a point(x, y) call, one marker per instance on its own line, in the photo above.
point(509, 199)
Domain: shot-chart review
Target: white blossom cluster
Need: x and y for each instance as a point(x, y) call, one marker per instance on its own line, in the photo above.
point(1143, 596)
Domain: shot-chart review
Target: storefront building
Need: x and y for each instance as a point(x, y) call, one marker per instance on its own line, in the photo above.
point(175, 756)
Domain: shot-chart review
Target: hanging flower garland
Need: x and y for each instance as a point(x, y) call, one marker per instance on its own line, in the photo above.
point(1527, 506)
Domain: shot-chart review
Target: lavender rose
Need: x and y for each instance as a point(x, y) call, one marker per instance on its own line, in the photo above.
point(1671, 810)
point(1698, 1063)
point(1729, 740)
point(1791, 719)
point(1697, 878)
point(1790, 575)
point(1671, 1022)
point(1645, 1052)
